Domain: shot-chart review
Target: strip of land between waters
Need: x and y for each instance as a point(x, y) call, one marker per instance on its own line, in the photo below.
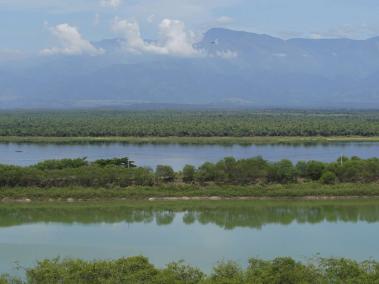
point(307, 191)
point(195, 198)
point(217, 198)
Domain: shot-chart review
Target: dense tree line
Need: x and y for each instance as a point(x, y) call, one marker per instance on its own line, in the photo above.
point(138, 270)
point(229, 171)
point(257, 170)
point(188, 123)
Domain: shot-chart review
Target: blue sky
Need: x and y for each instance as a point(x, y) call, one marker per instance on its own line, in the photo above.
point(27, 24)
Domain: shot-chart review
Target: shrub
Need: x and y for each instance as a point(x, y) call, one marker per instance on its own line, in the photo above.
point(328, 178)
point(165, 173)
point(188, 174)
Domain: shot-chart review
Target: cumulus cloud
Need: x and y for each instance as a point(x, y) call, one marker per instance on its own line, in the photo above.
point(174, 38)
point(71, 42)
point(110, 3)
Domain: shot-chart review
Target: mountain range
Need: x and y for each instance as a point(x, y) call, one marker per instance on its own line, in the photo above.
point(235, 68)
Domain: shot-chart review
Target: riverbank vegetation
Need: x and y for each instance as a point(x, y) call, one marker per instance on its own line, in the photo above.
point(313, 191)
point(177, 124)
point(139, 270)
point(121, 172)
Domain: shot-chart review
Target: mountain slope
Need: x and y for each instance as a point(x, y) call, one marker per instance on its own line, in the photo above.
point(237, 68)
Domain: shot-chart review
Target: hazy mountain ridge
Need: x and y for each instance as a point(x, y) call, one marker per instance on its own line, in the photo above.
point(236, 68)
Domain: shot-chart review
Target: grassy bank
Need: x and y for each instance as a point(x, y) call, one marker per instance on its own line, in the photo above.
point(140, 270)
point(181, 192)
point(190, 140)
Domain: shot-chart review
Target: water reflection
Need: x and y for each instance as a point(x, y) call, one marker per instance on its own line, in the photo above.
point(226, 215)
point(201, 233)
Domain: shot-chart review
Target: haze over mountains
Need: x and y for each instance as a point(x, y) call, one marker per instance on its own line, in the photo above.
point(232, 68)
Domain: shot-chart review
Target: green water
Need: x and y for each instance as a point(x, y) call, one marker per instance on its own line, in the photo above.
point(201, 233)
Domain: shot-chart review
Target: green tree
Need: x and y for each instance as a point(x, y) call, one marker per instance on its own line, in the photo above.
point(120, 162)
point(165, 173)
point(189, 173)
point(206, 173)
point(328, 177)
point(283, 172)
point(314, 170)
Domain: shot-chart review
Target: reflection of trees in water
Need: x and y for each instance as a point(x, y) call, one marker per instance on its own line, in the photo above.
point(252, 216)
point(164, 218)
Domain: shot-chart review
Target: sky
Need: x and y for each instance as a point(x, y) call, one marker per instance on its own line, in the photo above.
point(69, 26)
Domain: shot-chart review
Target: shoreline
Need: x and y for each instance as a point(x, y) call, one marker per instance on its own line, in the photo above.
point(185, 198)
point(242, 198)
point(190, 140)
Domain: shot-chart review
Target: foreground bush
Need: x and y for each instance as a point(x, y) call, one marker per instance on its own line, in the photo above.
point(138, 270)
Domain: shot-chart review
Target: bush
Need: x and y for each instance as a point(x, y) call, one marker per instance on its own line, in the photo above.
point(314, 170)
point(119, 162)
point(328, 178)
point(165, 173)
point(184, 273)
point(227, 273)
point(188, 173)
point(283, 172)
point(138, 270)
point(62, 164)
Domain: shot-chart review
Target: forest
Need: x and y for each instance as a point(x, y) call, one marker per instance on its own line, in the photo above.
point(170, 123)
point(121, 172)
point(139, 270)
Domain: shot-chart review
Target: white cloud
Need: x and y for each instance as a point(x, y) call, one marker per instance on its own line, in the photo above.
point(224, 20)
point(71, 41)
point(110, 3)
point(150, 19)
point(174, 38)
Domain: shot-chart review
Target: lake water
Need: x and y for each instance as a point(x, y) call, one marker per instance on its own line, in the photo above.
point(201, 233)
point(179, 155)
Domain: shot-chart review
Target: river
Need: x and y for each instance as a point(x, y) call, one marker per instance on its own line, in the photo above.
point(178, 155)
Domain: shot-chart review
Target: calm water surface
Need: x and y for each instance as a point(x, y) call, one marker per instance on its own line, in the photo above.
point(179, 155)
point(201, 233)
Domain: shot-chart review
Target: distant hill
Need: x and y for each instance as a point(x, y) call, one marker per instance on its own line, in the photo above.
point(238, 68)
